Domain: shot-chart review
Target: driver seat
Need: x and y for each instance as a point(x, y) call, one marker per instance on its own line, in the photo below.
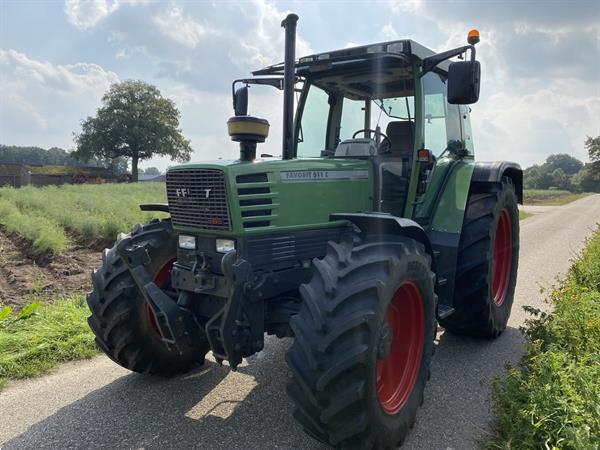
point(402, 138)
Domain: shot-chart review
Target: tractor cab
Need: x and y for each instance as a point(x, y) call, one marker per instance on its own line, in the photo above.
point(377, 102)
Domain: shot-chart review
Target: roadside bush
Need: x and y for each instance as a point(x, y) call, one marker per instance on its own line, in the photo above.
point(552, 400)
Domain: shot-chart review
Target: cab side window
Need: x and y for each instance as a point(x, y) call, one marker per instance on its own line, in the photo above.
point(442, 125)
point(313, 127)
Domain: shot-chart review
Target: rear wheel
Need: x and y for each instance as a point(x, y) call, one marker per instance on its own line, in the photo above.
point(488, 257)
point(363, 342)
point(124, 324)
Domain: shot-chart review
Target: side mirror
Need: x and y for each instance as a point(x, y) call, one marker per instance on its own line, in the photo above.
point(463, 82)
point(240, 101)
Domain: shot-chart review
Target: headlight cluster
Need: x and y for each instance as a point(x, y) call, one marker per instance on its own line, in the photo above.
point(222, 245)
point(225, 245)
point(187, 242)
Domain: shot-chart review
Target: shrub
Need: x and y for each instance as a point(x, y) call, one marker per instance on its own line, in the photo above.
point(552, 400)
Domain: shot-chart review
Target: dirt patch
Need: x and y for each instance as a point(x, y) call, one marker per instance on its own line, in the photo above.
point(24, 278)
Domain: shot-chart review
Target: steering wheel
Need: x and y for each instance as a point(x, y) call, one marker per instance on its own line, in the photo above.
point(386, 143)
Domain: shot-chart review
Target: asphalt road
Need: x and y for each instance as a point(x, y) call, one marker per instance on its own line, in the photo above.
point(98, 404)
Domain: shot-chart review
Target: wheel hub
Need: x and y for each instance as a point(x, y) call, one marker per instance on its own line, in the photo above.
point(385, 342)
point(400, 348)
point(502, 258)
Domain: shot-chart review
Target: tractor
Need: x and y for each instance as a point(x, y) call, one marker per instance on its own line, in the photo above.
point(373, 226)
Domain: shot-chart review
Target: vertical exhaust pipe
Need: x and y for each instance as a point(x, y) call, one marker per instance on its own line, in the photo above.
point(289, 23)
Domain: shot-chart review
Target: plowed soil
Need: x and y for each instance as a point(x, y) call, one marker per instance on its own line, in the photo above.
point(25, 278)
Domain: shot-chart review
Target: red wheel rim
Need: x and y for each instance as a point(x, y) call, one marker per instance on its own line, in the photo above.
point(502, 258)
point(160, 279)
point(397, 373)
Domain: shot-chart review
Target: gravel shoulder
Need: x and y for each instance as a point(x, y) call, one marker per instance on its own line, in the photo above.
point(95, 403)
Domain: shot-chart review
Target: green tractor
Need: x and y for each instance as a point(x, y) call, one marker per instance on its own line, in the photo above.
point(356, 243)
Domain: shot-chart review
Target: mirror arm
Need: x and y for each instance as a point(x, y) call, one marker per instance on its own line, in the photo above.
point(432, 61)
point(275, 82)
point(272, 81)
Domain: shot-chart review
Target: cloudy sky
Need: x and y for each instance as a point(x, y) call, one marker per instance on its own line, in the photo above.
point(540, 62)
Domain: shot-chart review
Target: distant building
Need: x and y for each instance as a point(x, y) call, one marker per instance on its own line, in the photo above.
point(15, 175)
point(152, 178)
point(18, 175)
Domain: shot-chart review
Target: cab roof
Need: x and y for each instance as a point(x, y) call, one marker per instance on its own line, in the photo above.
point(400, 52)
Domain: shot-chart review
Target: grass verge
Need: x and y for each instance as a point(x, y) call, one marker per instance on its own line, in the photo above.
point(543, 197)
point(552, 399)
point(523, 214)
point(43, 335)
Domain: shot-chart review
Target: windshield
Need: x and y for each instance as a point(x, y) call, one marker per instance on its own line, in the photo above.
point(347, 116)
point(389, 110)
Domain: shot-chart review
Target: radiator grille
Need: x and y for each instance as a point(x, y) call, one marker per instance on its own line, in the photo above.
point(198, 199)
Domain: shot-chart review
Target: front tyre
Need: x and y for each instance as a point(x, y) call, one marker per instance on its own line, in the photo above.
point(363, 342)
point(124, 324)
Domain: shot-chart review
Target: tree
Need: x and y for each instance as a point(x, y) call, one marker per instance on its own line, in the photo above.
point(592, 145)
point(589, 180)
point(568, 164)
point(152, 171)
point(135, 121)
point(35, 155)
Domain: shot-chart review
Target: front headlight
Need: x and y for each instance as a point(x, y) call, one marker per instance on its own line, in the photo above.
point(187, 242)
point(225, 245)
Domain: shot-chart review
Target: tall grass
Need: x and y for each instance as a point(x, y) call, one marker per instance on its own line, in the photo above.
point(42, 336)
point(552, 400)
point(45, 235)
point(91, 213)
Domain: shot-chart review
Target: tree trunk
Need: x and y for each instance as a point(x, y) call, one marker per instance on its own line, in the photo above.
point(134, 167)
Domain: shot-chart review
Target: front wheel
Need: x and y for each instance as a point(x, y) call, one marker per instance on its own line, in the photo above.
point(124, 325)
point(363, 342)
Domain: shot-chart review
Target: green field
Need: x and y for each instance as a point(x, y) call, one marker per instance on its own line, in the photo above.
point(550, 197)
point(51, 217)
point(552, 399)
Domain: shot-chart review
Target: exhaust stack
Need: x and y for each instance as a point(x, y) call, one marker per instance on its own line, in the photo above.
point(289, 23)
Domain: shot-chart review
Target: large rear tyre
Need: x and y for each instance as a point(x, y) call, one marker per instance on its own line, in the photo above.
point(363, 342)
point(488, 258)
point(124, 324)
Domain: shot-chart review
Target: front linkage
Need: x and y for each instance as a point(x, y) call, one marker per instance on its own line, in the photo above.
point(234, 332)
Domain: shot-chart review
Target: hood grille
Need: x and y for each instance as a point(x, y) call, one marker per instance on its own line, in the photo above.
point(198, 199)
point(256, 200)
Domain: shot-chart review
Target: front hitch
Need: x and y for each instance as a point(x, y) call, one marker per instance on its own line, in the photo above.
point(237, 330)
point(177, 326)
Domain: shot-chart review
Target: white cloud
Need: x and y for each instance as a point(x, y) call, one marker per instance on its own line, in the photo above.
point(85, 14)
point(264, 44)
point(182, 29)
point(527, 128)
point(42, 102)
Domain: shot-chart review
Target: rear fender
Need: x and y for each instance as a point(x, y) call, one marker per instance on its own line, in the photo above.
point(493, 172)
